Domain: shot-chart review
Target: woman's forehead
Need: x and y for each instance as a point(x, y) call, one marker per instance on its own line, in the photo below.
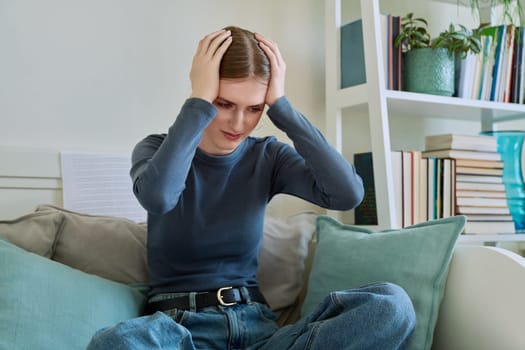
point(248, 92)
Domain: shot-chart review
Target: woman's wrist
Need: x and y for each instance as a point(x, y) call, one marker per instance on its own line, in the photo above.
point(201, 96)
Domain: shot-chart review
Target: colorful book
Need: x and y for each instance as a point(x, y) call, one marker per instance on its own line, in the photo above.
point(423, 192)
point(461, 154)
point(466, 210)
point(431, 188)
point(485, 71)
point(479, 178)
point(521, 73)
point(496, 61)
point(480, 194)
point(397, 169)
point(366, 212)
point(406, 177)
point(396, 52)
point(516, 65)
point(479, 171)
point(483, 143)
point(489, 217)
point(448, 188)
point(505, 91)
point(474, 163)
point(466, 75)
point(352, 54)
point(481, 202)
point(489, 227)
point(479, 186)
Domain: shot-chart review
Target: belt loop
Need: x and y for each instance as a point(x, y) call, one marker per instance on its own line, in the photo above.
point(193, 302)
point(245, 295)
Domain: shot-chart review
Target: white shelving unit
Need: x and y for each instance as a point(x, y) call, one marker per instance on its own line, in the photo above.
point(373, 98)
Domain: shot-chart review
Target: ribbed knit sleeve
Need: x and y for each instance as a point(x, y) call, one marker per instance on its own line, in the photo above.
point(316, 172)
point(160, 163)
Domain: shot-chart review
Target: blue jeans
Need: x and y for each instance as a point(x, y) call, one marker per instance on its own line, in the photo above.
point(378, 316)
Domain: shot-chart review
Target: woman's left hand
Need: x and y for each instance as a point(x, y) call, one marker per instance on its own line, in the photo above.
point(277, 69)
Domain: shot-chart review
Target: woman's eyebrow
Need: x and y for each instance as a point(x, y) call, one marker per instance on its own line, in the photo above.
point(221, 99)
point(224, 100)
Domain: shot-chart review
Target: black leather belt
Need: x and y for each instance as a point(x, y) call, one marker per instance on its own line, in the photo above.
point(225, 296)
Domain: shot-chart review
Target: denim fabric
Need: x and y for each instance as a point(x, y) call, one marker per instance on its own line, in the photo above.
point(378, 316)
point(157, 331)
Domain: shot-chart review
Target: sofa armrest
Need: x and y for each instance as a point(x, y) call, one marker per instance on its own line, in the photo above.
point(484, 301)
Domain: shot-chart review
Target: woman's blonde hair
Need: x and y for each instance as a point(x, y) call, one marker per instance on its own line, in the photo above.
point(244, 58)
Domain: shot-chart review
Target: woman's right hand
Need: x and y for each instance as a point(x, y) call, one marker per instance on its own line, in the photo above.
point(204, 73)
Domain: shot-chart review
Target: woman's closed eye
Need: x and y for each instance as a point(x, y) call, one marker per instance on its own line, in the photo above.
point(224, 104)
point(255, 109)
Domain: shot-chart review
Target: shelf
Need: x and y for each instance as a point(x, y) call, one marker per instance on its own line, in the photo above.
point(491, 238)
point(410, 103)
point(432, 106)
point(380, 105)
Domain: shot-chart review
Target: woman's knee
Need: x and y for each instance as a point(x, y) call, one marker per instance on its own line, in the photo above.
point(397, 305)
point(379, 314)
point(157, 331)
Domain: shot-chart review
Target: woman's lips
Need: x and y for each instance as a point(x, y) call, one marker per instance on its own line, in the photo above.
point(231, 136)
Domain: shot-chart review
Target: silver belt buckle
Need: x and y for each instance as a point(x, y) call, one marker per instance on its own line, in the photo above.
point(219, 296)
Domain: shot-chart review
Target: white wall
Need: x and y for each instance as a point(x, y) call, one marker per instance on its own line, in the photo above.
point(99, 75)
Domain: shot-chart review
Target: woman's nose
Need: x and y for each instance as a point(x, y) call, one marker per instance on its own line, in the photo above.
point(237, 120)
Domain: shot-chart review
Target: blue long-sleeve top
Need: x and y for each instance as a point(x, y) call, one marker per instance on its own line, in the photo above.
point(205, 212)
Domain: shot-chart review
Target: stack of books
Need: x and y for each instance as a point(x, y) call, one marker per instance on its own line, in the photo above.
point(477, 190)
point(422, 191)
point(454, 175)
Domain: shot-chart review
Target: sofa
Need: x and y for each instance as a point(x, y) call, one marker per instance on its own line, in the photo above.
point(63, 275)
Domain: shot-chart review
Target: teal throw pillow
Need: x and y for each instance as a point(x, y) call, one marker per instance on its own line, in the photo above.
point(47, 305)
point(416, 258)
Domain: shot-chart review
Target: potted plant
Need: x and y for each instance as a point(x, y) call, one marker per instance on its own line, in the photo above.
point(429, 64)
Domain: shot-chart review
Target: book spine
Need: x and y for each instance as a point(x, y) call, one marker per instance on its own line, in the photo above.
point(395, 54)
point(499, 52)
point(521, 87)
point(366, 212)
point(483, 68)
point(431, 205)
point(508, 70)
point(390, 53)
point(352, 54)
point(407, 188)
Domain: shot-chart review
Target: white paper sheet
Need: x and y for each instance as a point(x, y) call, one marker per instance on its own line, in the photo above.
point(99, 184)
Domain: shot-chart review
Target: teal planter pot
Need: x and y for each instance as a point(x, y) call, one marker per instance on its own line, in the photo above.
point(510, 145)
point(429, 71)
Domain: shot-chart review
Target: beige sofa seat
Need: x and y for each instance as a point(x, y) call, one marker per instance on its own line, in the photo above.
point(484, 303)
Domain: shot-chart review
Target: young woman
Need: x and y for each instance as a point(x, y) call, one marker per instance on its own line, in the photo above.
point(206, 184)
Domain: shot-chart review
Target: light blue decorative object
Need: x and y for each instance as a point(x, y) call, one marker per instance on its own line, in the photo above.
point(510, 145)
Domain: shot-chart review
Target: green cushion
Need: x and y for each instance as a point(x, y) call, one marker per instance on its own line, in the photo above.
point(47, 305)
point(416, 258)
